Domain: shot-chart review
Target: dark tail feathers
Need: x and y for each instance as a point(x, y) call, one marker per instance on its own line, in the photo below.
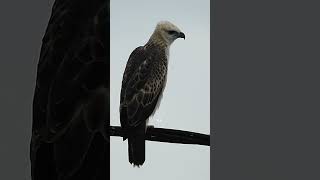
point(136, 145)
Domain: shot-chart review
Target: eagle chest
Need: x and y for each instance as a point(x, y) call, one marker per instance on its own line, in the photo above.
point(163, 70)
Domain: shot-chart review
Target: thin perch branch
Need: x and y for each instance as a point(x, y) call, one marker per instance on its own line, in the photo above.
point(168, 135)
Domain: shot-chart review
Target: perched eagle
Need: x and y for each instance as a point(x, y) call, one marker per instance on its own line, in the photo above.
point(71, 98)
point(143, 82)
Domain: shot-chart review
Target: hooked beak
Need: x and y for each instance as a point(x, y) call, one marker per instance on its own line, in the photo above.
point(181, 35)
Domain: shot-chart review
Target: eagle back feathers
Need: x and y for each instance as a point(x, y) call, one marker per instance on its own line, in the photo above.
point(143, 82)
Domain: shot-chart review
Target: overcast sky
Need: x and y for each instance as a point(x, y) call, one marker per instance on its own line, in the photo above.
point(186, 99)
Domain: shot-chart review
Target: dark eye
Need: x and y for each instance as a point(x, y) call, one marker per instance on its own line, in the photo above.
point(172, 32)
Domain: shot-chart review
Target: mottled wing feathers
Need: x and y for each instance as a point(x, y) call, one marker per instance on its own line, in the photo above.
point(143, 81)
point(73, 63)
point(135, 59)
point(72, 60)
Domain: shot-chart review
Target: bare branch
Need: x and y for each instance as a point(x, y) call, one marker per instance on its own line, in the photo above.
point(168, 135)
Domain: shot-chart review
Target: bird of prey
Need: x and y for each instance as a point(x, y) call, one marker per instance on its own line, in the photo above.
point(71, 98)
point(143, 82)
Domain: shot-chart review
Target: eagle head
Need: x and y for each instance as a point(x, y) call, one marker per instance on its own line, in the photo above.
point(166, 33)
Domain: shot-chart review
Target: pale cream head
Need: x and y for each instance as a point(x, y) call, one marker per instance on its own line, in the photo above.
point(165, 33)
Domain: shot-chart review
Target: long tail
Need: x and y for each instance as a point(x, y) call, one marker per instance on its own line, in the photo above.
point(136, 146)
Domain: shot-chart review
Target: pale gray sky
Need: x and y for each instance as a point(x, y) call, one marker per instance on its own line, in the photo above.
point(186, 99)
